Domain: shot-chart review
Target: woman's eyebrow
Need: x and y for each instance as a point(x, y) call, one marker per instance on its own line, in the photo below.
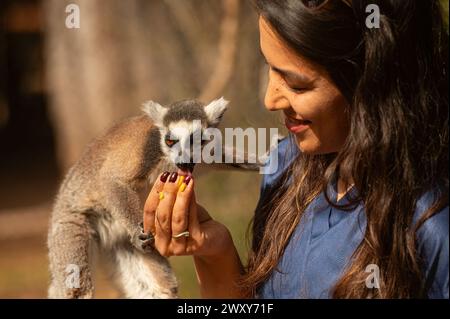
point(292, 76)
point(289, 75)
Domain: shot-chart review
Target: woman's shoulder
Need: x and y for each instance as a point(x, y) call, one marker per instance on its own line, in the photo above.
point(433, 245)
point(436, 225)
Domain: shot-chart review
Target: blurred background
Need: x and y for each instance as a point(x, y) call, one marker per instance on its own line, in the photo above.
point(61, 87)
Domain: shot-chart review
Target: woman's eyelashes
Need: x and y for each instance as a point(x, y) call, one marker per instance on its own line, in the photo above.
point(295, 89)
point(290, 84)
point(294, 85)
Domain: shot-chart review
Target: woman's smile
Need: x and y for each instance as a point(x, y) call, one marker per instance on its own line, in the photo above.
point(296, 125)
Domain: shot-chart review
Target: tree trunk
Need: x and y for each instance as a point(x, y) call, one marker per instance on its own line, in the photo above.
point(127, 52)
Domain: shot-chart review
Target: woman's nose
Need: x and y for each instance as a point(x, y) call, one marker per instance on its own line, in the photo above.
point(275, 99)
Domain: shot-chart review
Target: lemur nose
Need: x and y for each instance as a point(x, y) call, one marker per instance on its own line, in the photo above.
point(187, 167)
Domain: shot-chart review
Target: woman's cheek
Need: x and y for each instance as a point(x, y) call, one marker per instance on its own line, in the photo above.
point(332, 130)
point(304, 105)
point(328, 129)
point(308, 143)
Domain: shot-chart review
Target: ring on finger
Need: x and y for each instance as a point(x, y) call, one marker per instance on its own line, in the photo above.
point(183, 234)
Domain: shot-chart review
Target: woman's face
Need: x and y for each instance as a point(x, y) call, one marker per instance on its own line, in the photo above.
point(313, 107)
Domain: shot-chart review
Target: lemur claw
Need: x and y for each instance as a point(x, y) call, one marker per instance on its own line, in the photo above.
point(146, 240)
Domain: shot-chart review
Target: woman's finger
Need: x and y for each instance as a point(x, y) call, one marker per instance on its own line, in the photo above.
point(152, 203)
point(193, 241)
point(180, 216)
point(163, 215)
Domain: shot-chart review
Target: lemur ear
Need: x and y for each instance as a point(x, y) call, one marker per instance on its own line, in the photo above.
point(215, 110)
point(155, 111)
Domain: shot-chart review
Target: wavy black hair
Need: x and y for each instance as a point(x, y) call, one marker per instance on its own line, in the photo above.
point(395, 79)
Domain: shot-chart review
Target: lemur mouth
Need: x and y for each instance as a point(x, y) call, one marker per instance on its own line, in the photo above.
point(185, 168)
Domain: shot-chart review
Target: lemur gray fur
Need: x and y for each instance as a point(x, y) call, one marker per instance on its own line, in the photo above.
point(99, 206)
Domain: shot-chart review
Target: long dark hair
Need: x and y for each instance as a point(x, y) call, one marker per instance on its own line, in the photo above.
point(395, 79)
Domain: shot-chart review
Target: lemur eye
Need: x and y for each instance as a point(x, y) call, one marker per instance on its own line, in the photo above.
point(170, 142)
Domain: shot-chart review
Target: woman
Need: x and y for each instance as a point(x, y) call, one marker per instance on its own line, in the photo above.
point(359, 205)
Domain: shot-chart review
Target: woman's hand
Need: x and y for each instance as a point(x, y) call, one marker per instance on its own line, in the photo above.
point(171, 210)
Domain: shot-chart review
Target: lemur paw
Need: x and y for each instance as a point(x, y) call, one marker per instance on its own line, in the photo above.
point(144, 242)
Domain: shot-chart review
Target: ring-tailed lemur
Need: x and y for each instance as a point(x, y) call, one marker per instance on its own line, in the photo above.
point(100, 203)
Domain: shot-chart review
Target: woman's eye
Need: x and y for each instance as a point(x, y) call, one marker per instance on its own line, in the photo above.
point(296, 89)
point(171, 143)
point(293, 88)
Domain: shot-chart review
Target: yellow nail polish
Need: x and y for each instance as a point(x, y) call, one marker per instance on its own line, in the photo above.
point(182, 187)
point(161, 195)
point(180, 180)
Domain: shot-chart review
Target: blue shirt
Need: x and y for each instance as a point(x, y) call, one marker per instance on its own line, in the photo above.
point(325, 239)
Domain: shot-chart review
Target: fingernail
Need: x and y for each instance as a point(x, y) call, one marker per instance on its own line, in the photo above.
point(164, 177)
point(182, 187)
point(173, 177)
point(180, 180)
point(187, 180)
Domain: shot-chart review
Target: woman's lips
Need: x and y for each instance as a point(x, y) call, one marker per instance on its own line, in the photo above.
point(296, 126)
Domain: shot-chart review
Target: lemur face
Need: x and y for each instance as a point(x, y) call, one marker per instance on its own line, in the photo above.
point(182, 126)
